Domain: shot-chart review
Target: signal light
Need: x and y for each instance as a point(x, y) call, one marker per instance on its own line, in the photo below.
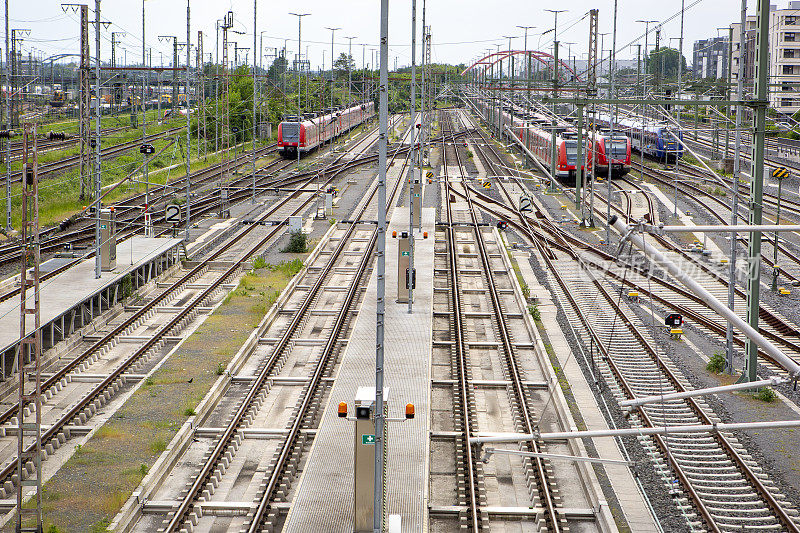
point(394, 234)
point(424, 234)
point(409, 411)
point(7, 134)
point(342, 409)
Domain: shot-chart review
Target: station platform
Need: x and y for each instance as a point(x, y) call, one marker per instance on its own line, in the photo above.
point(71, 299)
point(324, 500)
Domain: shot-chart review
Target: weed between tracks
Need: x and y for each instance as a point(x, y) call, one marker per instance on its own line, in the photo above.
point(96, 482)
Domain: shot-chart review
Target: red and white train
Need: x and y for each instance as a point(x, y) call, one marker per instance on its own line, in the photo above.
point(313, 131)
point(613, 153)
point(539, 140)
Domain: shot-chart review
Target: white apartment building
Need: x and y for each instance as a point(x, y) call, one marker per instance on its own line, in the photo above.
point(784, 56)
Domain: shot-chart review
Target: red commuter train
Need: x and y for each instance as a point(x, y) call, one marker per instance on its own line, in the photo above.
point(313, 130)
point(618, 147)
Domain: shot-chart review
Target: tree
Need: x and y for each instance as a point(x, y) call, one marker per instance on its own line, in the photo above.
point(664, 63)
point(277, 68)
point(340, 66)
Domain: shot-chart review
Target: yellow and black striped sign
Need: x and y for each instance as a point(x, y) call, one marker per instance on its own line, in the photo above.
point(780, 173)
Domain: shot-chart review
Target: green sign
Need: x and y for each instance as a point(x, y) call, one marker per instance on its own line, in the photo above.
point(416, 195)
point(404, 253)
point(367, 439)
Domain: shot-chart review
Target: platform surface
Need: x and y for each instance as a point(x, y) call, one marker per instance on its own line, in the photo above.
point(324, 501)
point(62, 292)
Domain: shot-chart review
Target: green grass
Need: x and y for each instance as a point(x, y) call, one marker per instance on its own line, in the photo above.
point(535, 312)
point(59, 197)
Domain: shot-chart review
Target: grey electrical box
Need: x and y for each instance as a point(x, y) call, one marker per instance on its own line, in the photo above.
point(295, 224)
point(108, 240)
point(403, 264)
point(364, 458)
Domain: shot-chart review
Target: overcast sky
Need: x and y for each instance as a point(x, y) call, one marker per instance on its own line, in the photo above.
point(461, 29)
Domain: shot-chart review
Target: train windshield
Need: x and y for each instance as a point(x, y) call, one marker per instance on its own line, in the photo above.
point(617, 148)
point(571, 146)
point(289, 131)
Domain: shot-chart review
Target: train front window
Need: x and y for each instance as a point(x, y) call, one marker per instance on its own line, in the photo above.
point(617, 148)
point(572, 151)
point(289, 130)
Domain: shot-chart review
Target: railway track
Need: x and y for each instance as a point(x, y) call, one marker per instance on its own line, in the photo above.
point(355, 241)
point(59, 430)
point(464, 231)
point(73, 160)
point(724, 488)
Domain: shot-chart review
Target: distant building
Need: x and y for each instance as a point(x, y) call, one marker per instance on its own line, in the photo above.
point(710, 58)
point(784, 56)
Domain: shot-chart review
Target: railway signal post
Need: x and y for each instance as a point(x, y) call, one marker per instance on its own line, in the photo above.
point(780, 174)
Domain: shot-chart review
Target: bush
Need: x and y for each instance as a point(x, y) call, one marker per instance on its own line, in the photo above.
point(259, 262)
point(189, 412)
point(220, 369)
point(535, 313)
point(766, 395)
point(298, 243)
point(717, 363)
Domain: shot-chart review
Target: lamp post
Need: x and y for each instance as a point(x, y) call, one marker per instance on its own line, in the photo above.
point(528, 80)
point(333, 31)
point(349, 71)
point(555, 12)
point(299, 115)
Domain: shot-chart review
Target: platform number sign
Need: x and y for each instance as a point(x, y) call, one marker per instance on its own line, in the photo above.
point(780, 173)
point(525, 204)
point(368, 440)
point(674, 320)
point(173, 214)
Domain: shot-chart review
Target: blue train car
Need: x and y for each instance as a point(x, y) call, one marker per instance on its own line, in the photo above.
point(656, 139)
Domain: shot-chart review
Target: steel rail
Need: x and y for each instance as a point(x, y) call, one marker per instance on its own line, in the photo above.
point(459, 342)
point(542, 479)
point(186, 504)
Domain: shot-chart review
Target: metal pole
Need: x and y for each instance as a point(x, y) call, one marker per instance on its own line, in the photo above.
point(377, 523)
point(8, 125)
point(97, 184)
point(422, 93)
point(255, 62)
point(413, 173)
point(579, 167)
point(144, 115)
point(349, 71)
point(299, 48)
point(188, 124)
point(757, 186)
point(333, 31)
